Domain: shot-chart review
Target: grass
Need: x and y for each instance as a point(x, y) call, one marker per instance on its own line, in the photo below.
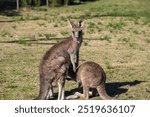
point(116, 35)
point(106, 37)
point(116, 26)
point(5, 33)
point(64, 33)
point(48, 36)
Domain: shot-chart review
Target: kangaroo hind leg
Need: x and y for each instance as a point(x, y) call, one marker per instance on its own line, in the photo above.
point(44, 89)
point(61, 84)
point(85, 93)
point(50, 93)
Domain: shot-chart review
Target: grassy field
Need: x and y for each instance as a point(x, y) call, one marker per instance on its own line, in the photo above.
point(116, 35)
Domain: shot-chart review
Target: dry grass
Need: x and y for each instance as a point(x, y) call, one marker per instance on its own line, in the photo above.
point(117, 36)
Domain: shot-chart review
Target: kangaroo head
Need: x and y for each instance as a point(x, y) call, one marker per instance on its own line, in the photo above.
point(76, 30)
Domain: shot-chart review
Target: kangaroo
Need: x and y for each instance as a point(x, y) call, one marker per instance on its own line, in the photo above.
point(90, 75)
point(56, 61)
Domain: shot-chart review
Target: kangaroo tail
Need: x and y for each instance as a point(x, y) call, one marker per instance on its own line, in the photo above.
point(102, 92)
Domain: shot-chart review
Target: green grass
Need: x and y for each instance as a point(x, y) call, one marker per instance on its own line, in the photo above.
point(48, 36)
point(116, 36)
point(106, 37)
point(5, 33)
point(116, 26)
point(64, 33)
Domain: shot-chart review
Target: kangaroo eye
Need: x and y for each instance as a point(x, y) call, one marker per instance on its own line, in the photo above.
point(73, 32)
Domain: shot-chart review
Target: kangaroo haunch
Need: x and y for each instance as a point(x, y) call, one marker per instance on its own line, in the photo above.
point(91, 75)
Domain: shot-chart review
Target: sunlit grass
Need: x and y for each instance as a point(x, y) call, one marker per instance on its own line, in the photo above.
point(116, 35)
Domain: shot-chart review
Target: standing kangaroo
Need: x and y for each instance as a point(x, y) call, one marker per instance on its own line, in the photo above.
point(54, 66)
point(90, 75)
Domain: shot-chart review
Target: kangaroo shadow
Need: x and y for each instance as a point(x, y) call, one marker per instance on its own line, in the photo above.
point(113, 89)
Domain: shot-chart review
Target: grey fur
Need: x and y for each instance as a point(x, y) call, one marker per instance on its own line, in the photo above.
point(54, 66)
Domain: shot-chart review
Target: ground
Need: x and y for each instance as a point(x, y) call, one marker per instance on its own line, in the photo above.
point(116, 36)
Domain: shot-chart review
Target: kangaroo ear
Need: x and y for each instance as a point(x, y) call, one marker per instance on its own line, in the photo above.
point(81, 23)
point(70, 23)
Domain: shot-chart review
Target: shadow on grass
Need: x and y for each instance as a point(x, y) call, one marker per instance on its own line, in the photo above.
point(33, 41)
point(9, 13)
point(113, 89)
point(89, 16)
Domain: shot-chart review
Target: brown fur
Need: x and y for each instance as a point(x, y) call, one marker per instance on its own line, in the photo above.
point(91, 75)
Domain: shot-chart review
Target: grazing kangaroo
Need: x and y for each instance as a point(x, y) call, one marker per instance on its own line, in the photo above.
point(54, 66)
point(90, 75)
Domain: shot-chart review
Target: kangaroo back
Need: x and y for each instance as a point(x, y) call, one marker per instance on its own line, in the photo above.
point(92, 75)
